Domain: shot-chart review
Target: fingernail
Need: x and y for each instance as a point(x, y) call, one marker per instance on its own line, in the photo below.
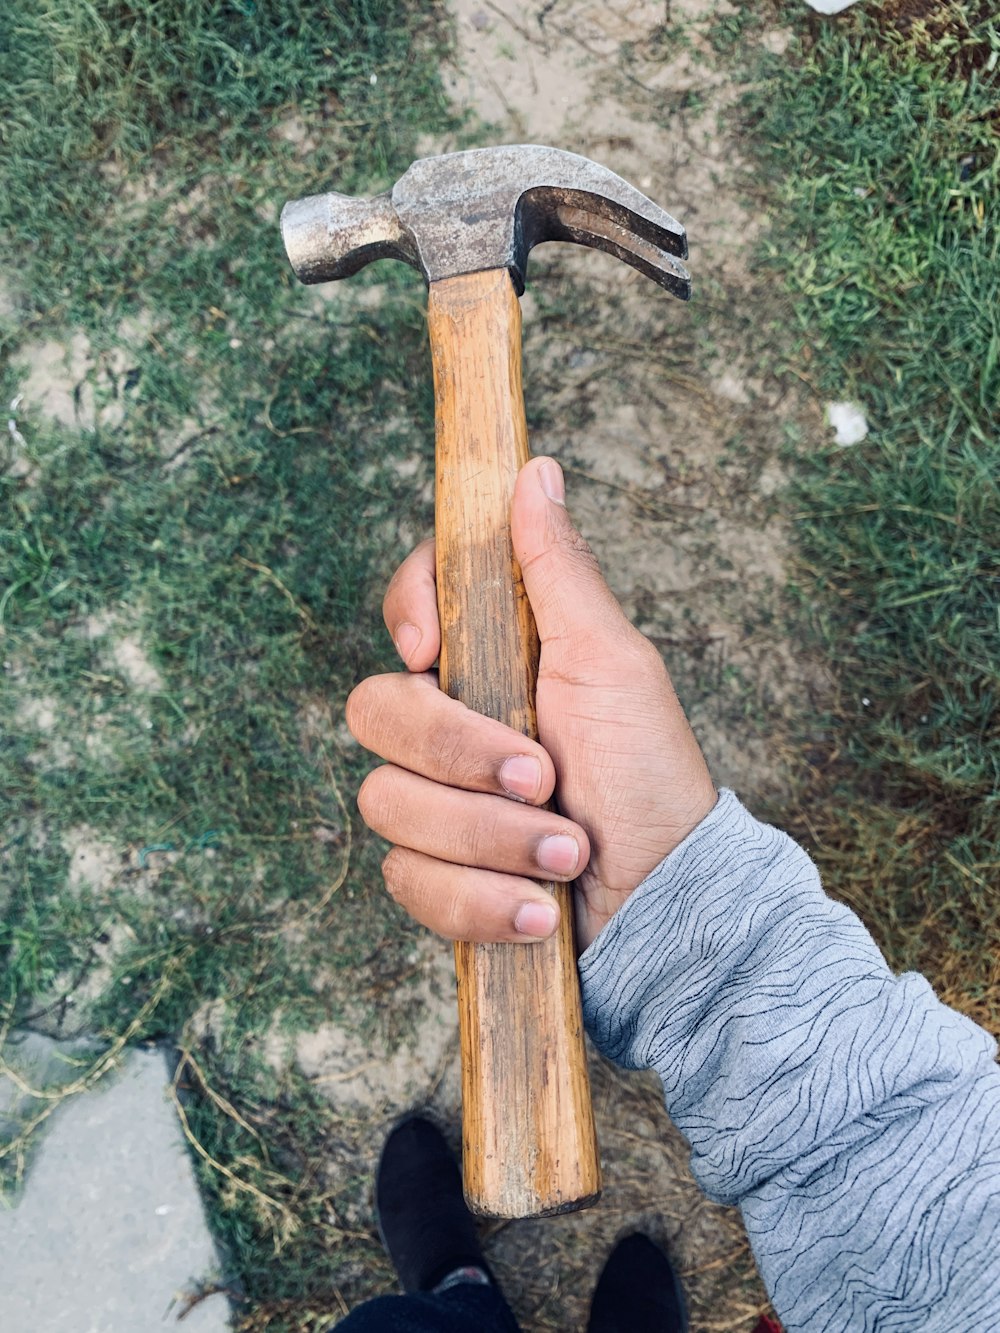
point(558, 854)
point(407, 640)
point(536, 919)
point(553, 484)
point(521, 776)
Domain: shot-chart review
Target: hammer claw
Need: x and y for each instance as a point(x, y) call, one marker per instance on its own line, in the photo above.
point(601, 232)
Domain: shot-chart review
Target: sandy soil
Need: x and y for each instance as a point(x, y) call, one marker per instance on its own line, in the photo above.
point(71, 382)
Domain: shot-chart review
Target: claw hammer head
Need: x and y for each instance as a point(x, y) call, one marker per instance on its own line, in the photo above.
point(486, 209)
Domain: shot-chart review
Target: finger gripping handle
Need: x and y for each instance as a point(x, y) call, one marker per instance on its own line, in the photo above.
point(528, 1126)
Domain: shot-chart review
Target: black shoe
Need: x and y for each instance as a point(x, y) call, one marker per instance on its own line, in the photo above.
point(638, 1292)
point(424, 1223)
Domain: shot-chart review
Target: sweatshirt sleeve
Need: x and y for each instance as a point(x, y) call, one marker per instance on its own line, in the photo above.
point(852, 1116)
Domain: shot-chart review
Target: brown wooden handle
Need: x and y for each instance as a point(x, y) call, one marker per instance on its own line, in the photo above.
point(528, 1124)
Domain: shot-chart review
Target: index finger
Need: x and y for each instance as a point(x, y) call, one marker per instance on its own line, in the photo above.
point(409, 609)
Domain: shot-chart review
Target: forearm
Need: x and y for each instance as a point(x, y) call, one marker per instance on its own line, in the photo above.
point(853, 1117)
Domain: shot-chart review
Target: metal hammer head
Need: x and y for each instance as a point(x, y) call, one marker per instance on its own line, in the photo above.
point(485, 209)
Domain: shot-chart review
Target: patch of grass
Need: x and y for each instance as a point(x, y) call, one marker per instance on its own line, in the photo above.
point(191, 583)
point(880, 139)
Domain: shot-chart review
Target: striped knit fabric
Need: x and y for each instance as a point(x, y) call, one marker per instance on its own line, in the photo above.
point(852, 1116)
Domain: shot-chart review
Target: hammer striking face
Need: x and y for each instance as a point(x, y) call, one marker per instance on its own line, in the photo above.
point(468, 221)
point(486, 209)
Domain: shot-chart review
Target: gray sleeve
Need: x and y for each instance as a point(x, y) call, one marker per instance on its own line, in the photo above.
point(852, 1116)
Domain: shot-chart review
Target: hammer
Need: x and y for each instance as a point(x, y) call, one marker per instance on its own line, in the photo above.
point(467, 221)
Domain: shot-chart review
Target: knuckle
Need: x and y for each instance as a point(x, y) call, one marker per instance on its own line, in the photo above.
point(646, 653)
point(352, 710)
point(456, 919)
point(451, 756)
point(368, 797)
point(379, 800)
point(360, 707)
point(485, 841)
point(390, 589)
point(410, 883)
point(576, 546)
point(394, 875)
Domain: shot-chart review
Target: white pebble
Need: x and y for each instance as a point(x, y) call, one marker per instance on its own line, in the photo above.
point(849, 421)
point(830, 6)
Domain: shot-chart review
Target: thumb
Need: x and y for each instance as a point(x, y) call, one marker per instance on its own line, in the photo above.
point(562, 578)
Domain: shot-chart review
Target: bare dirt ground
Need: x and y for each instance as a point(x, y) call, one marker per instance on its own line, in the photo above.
point(672, 447)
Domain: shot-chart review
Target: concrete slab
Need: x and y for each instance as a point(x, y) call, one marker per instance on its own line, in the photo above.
point(109, 1233)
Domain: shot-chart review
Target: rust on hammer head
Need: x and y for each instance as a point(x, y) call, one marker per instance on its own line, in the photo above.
point(486, 209)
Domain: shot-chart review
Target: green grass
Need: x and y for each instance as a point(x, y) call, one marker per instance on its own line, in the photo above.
point(881, 141)
point(238, 515)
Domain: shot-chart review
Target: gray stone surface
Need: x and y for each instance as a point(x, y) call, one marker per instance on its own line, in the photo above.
point(42, 1062)
point(108, 1234)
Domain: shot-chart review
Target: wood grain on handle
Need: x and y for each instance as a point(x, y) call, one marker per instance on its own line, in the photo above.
point(528, 1126)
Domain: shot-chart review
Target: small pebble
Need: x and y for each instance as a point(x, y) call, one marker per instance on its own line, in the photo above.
point(849, 422)
point(830, 6)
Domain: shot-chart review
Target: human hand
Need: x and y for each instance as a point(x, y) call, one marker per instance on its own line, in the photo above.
point(460, 794)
